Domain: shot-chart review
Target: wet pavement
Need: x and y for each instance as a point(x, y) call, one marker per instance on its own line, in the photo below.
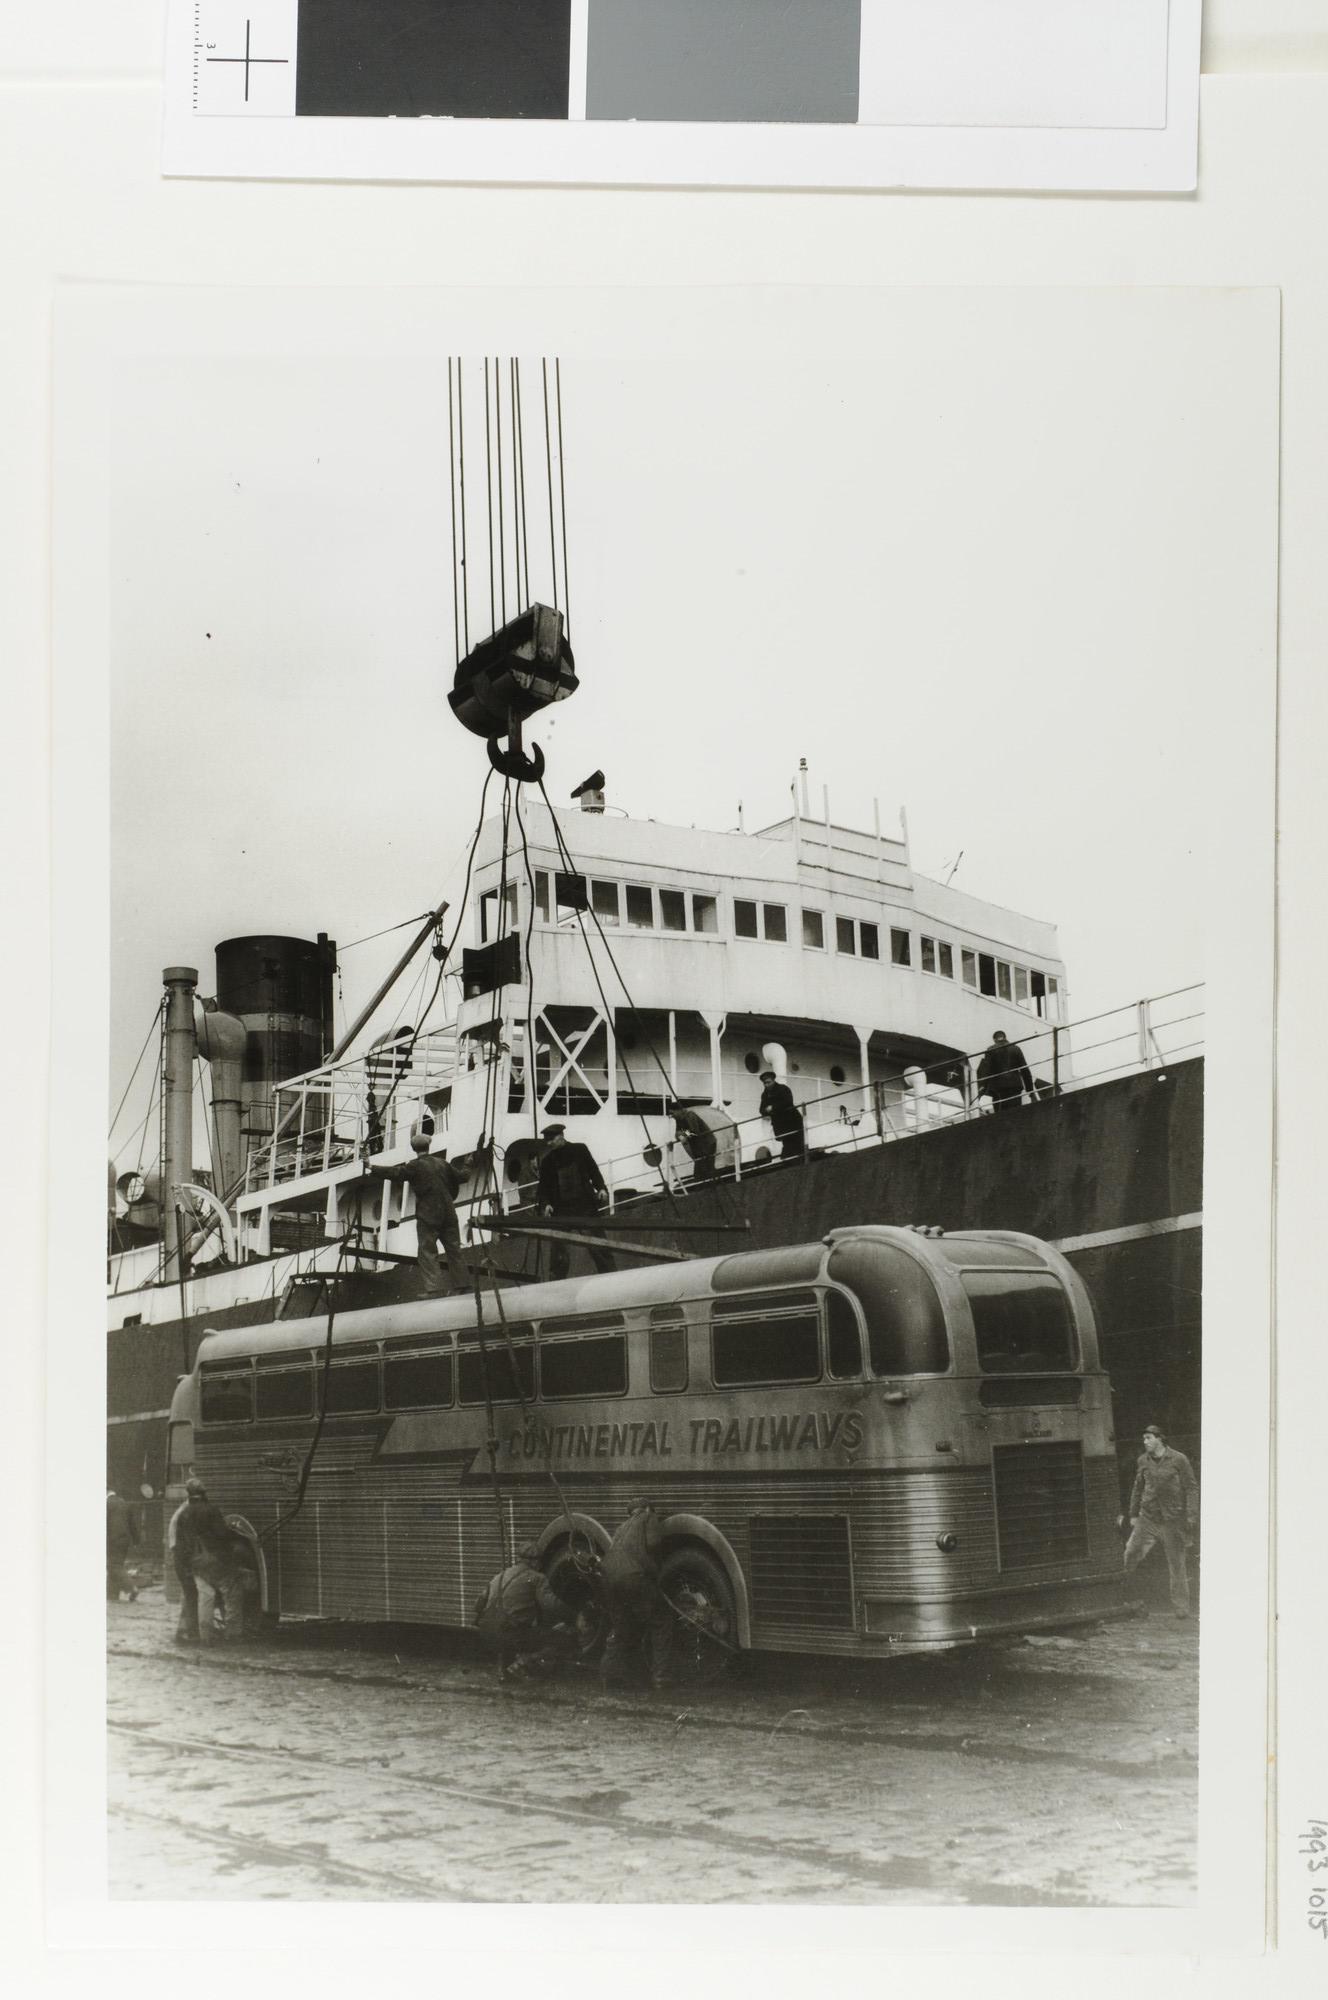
point(382, 1764)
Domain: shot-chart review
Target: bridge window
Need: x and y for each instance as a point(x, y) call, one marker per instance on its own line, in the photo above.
point(592, 1365)
point(776, 923)
point(744, 919)
point(845, 935)
point(905, 1318)
point(1021, 1321)
point(226, 1398)
point(969, 965)
point(285, 1386)
point(705, 915)
point(352, 1382)
point(640, 907)
point(946, 961)
point(987, 974)
point(928, 954)
point(542, 892)
point(1004, 990)
point(813, 930)
point(843, 1340)
point(769, 1337)
point(869, 938)
point(1020, 986)
point(668, 1350)
point(416, 1375)
point(673, 909)
point(900, 951)
point(604, 901)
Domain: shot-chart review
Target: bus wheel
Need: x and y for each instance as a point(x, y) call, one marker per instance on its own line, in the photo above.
point(574, 1581)
point(700, 1642)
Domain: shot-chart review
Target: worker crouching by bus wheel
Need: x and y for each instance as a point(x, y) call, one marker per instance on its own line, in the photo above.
point(640, 1617)
point(524, 1620)
point(207, 1548)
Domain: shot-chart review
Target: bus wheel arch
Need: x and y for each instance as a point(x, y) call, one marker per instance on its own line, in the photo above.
point(265, 1611)
point(681, 1531)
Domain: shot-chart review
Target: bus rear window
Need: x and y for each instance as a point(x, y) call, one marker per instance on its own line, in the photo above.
point(905, 1318)
point(594, 1366)
point(1022, 1322)
point(770, 1338)
point(417, 1381)
point(226, 1399)
point(502, 1387)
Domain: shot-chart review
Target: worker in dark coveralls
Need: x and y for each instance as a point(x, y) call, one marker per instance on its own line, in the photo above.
point(777, 1105)
point(209, 1547)
point(1003, 1073)
point(571, 1187)
point(1164, 1507)
point(524, 1619)
point(121, 1540)
point(435, 1187)
point(639, 1614)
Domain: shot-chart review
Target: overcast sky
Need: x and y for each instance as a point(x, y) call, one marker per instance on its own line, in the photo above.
point(987, 574)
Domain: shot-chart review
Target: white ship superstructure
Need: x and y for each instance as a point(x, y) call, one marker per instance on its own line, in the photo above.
point(657, 971)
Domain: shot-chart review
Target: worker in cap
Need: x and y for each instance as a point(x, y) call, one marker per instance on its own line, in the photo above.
point(1164, 1507)
point(523, 1618)
point(778, 1106)
point(186, 1625)
point(570, 1190)
point(1003, 1073)
point(436, 1187)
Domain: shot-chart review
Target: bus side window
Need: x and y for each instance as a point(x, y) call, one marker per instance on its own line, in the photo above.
point(765, 1337)
point(668, 1350)
point(843, 1341)
point(226, 1397)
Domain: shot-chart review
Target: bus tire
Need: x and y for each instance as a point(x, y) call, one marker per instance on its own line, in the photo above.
point(702, 1642)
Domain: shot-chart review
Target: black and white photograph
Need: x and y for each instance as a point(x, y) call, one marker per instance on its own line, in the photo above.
point(671, 893)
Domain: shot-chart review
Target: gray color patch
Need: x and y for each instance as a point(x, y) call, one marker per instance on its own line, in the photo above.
point(737, 61)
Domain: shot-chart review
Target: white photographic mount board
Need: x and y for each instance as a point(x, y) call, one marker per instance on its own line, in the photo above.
point(1039, 95)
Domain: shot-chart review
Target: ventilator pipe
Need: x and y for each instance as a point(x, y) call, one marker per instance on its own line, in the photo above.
point(179, 1049)
point(222, 1039)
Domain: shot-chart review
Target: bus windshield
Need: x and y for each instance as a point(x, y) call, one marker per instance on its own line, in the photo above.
point(905, 1318)
point(1021, 1321)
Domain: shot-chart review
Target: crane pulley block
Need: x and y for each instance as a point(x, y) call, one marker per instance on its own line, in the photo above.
point(523, 667)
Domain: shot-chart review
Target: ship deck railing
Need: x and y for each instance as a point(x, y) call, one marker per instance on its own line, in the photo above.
point(330, 1118)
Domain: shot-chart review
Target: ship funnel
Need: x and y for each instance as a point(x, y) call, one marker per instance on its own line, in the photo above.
point(177, 1092)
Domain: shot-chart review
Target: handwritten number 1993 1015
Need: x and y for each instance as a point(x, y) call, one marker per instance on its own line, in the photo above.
point(1314, 1848)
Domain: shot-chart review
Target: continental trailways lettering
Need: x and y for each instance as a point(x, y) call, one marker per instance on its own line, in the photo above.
point(701, 1437)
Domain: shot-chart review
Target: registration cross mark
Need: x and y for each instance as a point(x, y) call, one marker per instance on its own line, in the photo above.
point(247, 59)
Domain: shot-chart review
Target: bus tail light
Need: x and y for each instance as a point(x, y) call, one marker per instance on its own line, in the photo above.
point(947, 1544)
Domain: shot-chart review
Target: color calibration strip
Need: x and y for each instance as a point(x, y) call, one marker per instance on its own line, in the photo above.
point(1077, 94)
point(737, 62)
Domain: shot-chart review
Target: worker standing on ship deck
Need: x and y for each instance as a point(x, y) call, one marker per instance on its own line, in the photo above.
point(778, 1106)
point(570, 1187)
point(436, 1188)
point(1003, 1073)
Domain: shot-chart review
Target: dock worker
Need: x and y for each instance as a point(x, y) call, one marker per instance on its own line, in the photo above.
point(121, 1540)
point(571, 1187)
point(523, 1618)
point(436, 1187)
point(1003, 1073)
point(208, 1545)
point(778, 1106)
point(640, 1617)
point(1164, 1507)
point(186, 1625)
